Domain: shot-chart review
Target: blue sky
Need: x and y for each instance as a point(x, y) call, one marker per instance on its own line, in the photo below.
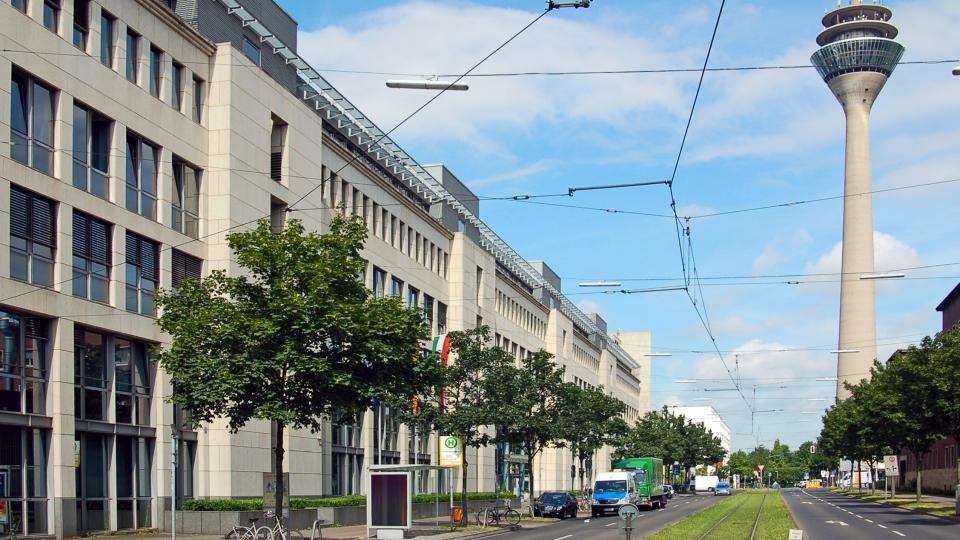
point(758, 138)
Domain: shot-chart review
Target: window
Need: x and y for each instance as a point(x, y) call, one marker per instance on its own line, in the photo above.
point(142, 274)
point(91, 258)
point(393, 230)
point(278, 135)
point(441, 318)
point(176, 80)
point(32, 237)
point(396, 287)
point(251, 50)
point(90, 375)
point(107, 26)
point(51, 14)
point(402, 238)
point(185, 199)
point(131, 368)
point(278, 215)
point(91, 481)
point(20, 5)
point(141, 176)
point(384, 217)
point(156, 61)
point(133, 55)
point(379, 282)
point(185, 267)
point(197, 99)
point(31, 123)
point(132, 469)
point(413, 297)
point(91, 151)
point(376, 218)
point(23, 459)
point(81, 23)
point(23, 372)
point(428, 310)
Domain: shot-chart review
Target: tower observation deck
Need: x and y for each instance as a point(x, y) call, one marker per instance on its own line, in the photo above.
point(857, 55)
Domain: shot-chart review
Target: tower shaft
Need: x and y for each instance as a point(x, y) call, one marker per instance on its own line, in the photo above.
point(858, 320)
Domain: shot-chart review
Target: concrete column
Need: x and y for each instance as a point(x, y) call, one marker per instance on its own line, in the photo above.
point(858, 320)
point(63, 460)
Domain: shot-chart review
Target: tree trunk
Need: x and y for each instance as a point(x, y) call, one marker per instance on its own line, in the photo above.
point(463, 492)
point(919, 456)
point(278, 467)
point(582, 485)
point(530, 473)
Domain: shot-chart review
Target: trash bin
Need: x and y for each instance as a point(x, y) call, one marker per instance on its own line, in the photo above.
point(457, 514)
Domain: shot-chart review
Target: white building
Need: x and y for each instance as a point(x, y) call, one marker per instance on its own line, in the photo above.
point(710, 418)
point(140, 132)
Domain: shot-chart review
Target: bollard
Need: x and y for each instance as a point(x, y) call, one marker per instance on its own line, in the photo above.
point(628, 528)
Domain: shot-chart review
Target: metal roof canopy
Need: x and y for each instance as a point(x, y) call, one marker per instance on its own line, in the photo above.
point(340, 112)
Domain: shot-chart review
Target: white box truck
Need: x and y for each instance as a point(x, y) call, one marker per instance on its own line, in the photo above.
point(705, 483)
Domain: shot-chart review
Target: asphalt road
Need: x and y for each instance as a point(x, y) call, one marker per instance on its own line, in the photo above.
point(824, 515)
point(606, 528)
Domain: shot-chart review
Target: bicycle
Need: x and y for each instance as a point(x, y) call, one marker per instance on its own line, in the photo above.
point(583, 503)
point(494, 515)
point(248, 533)
point(277, 531)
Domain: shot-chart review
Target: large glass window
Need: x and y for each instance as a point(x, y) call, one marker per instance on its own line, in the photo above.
point(379, 282)
point(91, 151)
point(141, 176)
point(23, 364)
point(142, 274)
point(91, 458)
point(32, 237)
point(156, 62)
point(31, 122)
point(20, 5)
point(184, 267)
point(441, 318)
point(428, 310)
point(90, 375)
point(51, 14)
point(197, 99)
point(131, 367)
point(23, 468)
point(81, 23)
point(133, 56)
point(396, 288)
point(413, 297)
point(185, 198)
point(107, 29)
point(91, 258)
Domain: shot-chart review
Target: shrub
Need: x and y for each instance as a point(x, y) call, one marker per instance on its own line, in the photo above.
point(248, 505)
point(223, 505)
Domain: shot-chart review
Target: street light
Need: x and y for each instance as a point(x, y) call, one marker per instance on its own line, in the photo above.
point(817, 399)
point(427, 85)
point(685, 381)
point(882, 276)
point(826, 379)
point(956, 71)
point(844, 351)
point(600, 284)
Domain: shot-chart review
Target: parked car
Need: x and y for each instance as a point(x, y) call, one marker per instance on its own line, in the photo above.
point(555, 503)
point(668, 491)
point(723, 488)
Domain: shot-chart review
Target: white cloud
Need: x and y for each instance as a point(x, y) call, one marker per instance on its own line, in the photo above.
point(517, 174)
point(694, 210)
point(589, 306)
point(889, 254)
point(768, 259)
point(734, 325)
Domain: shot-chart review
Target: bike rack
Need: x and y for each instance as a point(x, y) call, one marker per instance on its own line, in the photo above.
point(316, 529)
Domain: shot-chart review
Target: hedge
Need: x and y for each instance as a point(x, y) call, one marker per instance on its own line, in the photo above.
point(248, 505)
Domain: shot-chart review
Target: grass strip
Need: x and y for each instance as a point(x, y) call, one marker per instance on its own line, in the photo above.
point(933, 508)
point(775, 521)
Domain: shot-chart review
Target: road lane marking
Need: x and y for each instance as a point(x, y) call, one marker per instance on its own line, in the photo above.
point(869, 521)
point(562, 537)
point(898, 532)
point(881, 526)
point(610, 524)
point(859, 516)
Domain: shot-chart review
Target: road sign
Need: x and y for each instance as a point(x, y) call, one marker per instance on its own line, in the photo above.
point(795, 534)
point(891, 465)
point(451, 451)
point(627, 509)
point(761, 468)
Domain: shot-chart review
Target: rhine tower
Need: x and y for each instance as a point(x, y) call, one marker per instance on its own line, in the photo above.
point(857, 54)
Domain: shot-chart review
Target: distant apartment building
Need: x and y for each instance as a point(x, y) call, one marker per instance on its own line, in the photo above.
point(139, 132)
point(710, 419)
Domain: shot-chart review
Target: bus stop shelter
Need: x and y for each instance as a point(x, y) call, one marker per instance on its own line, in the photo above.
point(390, 493)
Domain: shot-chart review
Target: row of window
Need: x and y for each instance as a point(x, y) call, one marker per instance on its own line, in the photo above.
point(33, 244)
point(513, 348)
point(337, 192)
point(584, 358)
point(583, 384)
point(32, 143)
point(413, 295)
point(513, 310)
point(80, 32)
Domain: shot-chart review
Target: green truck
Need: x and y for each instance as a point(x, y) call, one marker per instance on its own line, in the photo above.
point(648, 480)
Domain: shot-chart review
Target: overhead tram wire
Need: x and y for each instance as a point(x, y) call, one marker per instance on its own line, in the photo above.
point(687, 273)
point(332, 174)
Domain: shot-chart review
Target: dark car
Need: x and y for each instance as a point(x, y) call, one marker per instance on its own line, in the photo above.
point(555, 503)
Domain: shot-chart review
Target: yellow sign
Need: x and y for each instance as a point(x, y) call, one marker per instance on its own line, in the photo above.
point(451, 451)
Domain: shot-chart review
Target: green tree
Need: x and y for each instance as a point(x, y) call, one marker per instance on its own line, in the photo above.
point(472, 399)
point(292, 339)
point(532, 411)
point(589, 419)
point(944, 350)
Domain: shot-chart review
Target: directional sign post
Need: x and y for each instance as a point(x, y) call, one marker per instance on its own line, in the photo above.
point(627, 512)
point(891, 467)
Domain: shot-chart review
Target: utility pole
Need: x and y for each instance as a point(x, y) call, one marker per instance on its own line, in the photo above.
point(174, 446)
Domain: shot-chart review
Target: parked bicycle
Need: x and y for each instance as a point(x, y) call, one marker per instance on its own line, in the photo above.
point(583, 503)
point(276, 531)
point(498, 515)
point(248, 533)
